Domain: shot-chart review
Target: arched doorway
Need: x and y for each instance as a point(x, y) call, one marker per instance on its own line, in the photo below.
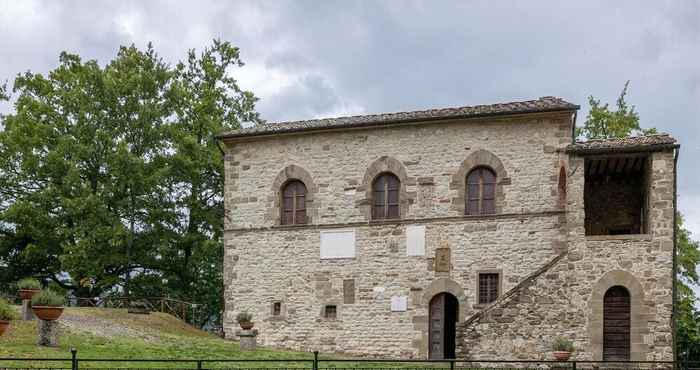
point(444, 309)
point(616, 324)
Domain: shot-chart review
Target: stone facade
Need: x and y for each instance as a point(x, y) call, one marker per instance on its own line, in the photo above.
point(552, 275)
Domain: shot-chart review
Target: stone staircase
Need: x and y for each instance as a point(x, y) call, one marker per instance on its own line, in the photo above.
point(507, 296)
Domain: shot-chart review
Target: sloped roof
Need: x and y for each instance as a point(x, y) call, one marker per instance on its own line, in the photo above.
point(544, 104)
point(628, 144)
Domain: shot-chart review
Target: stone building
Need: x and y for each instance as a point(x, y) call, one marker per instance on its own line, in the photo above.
point(479, 232)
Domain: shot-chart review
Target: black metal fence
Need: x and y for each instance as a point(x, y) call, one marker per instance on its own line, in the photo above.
point(316, 362)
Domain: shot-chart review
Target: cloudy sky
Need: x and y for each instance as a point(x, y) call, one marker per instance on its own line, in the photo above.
point(309, 59)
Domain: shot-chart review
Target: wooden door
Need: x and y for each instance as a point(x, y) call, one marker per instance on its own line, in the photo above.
point(616, 324)
point(442, 326)
point(437, 327)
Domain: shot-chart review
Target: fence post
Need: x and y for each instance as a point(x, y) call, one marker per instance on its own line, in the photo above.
point(199, 364)
point(73, 359)
point(573, 365)
point(452, 365)
point(315, 364)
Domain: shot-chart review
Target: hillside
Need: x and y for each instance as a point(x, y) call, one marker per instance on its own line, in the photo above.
point(113, 333)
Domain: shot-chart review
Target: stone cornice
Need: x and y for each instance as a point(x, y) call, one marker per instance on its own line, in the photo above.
point(406, 221)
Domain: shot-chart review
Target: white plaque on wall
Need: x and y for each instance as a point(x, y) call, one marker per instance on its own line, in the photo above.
point(338, 244)
point(378, 293)
point(415, 240)
point(398, 303)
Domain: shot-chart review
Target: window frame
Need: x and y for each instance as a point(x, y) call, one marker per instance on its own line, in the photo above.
point(386, 194)
point(480, 197)
point(325, 311)
point(277, 309)
point(498, 286)
point(295, 203)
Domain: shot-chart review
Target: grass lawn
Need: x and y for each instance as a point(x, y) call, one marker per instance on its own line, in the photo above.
point(115, 334)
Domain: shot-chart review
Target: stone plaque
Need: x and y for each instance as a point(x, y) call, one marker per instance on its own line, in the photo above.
point(349, 291)
point(442, 259)
point(398, 303)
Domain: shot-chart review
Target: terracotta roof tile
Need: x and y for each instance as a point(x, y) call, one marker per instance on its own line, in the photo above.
point(627, 144)
point(544, 104)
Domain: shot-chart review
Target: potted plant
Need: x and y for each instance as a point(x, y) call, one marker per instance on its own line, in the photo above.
point(562, 348)
point(27, 287)
point(244, 320)
point(48, 305)
point(7, 313)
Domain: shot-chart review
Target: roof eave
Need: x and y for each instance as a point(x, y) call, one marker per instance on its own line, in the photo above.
point(369, 124)
point(628, 149)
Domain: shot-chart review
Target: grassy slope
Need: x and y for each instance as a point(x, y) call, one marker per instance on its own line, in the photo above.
point(112, 333)
point(115, 334)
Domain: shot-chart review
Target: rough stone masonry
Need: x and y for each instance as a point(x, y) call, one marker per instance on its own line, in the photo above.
point(441, 280)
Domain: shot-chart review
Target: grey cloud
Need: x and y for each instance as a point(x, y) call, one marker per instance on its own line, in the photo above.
point(371, 56)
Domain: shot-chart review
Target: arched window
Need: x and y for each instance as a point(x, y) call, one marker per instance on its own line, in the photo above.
point(616, 324)
point(481, 192)
point(385, 197)
point(294, 203)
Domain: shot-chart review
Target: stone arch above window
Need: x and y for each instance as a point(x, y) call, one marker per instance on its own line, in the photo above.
point(479, 159)
point(288, 175)
point(380, 166)
point(638, 314)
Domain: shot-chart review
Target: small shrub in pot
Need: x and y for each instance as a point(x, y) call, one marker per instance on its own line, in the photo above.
point(48, 305)
point(7, 314)
point(27, 287)
point(562, 348)
point(245, 320)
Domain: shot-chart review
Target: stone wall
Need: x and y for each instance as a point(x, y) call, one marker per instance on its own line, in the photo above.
point(567, 301)
point(294, 275)
point(535, 222)
point(428, 155)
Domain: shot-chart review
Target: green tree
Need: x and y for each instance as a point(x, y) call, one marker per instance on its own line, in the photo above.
point(602, 123)
point(80, 163)
point(110, 177)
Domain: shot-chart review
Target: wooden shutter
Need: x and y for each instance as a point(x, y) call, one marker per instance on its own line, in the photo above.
point(481, 192)
point(385, 197)
point(488, 287)
point(616, 324)
point(294, 203)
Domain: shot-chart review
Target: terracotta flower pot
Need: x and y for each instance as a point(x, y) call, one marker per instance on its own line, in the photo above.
point(246, 325)
point(562, 355)
point(4, 324)
point(27, 293)
point(47, 313)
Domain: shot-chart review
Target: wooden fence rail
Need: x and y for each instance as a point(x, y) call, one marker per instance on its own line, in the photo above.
point(185, 311)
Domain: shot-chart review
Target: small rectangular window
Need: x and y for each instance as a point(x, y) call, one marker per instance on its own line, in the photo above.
point(488, 287)
point(330, 311)
point(277, 309)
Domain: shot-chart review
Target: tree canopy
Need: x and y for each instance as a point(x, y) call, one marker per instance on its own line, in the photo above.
point(604, 123)
point(110, 176)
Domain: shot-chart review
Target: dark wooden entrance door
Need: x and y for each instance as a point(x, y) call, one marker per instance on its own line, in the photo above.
point(442, 326)
point(616, 324)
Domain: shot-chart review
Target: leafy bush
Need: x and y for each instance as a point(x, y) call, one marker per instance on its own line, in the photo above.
point(6, 311)
point(48, 298)
point(244, 317)
point(562, 345)
point(28, 283)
